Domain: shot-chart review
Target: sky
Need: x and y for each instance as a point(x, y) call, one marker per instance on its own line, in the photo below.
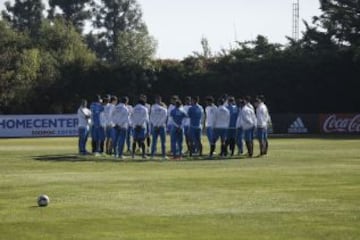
point(179, 25)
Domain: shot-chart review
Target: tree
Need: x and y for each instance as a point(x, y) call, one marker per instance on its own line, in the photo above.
point(114, 17)
point(74, 12)
point(24, 15)
point(19, 67)
point(135, 48)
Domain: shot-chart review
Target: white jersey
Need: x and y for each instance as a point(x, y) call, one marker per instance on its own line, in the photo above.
point(186, 121)
point(250, 106)
point(239, 120)
point(210, 115)
point(222, 117)
point(140, 116)
point(170, 120)
point(158, 115)
point(120, 116)
point(248, 118)
point(107, 114)
point(262, 116)
point(84, 117)
point(130, 108)
point(103, 120)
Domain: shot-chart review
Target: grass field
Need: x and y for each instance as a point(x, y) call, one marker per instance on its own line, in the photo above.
point(304, 189)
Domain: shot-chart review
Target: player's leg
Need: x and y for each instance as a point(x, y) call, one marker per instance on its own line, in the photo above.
point(162, 134)
point(122, 138)
point(173, 141)
point(259, 137)
point(81, 140)
point(93, 140)
point(155, 134)
point(213, 141)
point(266, 145)
point(128, 138)
point(147, 136)
point(102, 139)
point(180, 142)
point(198, 144)
point(191, 140)
point(239, 140)
point(248, 141)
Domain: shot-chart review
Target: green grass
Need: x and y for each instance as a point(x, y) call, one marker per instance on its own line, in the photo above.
point(304, 189)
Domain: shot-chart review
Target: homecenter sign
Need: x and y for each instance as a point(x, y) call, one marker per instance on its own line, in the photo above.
point(38, 125)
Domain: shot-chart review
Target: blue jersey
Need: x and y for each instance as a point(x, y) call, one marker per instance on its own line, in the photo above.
point(178, 116)
point(196, 114)
point(96, 109)
point(234, 112)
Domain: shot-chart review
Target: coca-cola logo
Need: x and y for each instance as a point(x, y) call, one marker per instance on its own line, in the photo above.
point(336, 124)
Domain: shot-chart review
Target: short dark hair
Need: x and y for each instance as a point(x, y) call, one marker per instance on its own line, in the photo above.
point(209, 99)
point(231, 99)
point(124, 99)
point(220, 101)
point(178, 103)
point(158, 98)
point(113, 98)
point(261, 98)
point(195, 99)
point(141, 101)
point(83, 102)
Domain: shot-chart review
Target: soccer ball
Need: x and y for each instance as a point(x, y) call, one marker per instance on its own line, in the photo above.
point(43, 200)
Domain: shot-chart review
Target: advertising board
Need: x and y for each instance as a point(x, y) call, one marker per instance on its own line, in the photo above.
point(38, 125)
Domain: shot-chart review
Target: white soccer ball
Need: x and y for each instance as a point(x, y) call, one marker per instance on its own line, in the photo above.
point(43, 200)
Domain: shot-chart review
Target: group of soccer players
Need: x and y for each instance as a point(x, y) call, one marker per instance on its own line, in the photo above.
point(114, 124)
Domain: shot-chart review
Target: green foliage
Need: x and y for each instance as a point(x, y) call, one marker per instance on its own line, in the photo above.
point(65, 43)
point(135, 48)
point(41, 58)
point(74, 12)
point(25, 16)
point(113, 18)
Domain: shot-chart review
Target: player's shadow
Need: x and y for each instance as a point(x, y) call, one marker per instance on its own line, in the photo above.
point(63, 158)
point(128, 159)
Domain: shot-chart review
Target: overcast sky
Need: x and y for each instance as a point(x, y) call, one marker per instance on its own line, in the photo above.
point(178, 25)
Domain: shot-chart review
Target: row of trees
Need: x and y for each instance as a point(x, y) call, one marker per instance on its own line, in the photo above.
point(48, 61)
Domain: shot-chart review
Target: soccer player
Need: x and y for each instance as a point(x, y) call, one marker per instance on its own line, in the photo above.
point(176, 133)
point(186, 122)
point(196, 116)
point(109, 128)
point(120, 117)
point(210, 111)
point(139, 120)
point(148, 126)
point(97, 132)
point(130, 129)
point(263, 119)
point(231, 132)
point(221, 124)
point(158, 117)
point(239, 129)
point(248, 123)
point(170, 124)
point(171, 107)
point(84, 118)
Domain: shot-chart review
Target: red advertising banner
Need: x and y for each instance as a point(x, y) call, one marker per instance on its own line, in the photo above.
point(340, 123)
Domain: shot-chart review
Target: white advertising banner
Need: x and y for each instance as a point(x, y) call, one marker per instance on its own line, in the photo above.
point(63, 125)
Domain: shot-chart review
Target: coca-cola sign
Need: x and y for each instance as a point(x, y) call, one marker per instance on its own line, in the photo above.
point(340, 123)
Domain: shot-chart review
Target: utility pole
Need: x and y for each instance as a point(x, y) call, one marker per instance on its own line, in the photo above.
point(296, 20)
